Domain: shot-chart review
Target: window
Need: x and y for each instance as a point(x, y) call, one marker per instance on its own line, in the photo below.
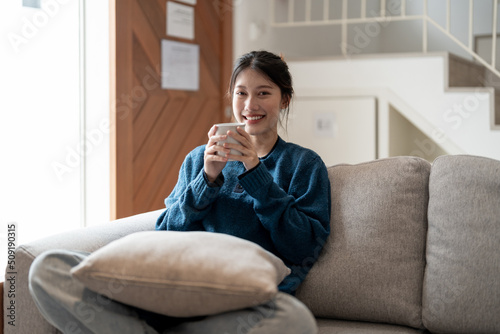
point(54, 126)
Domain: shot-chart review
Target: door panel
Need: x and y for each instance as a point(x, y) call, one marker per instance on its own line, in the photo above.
point(153, 129)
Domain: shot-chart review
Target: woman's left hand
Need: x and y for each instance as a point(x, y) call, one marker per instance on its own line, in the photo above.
point(249, 155)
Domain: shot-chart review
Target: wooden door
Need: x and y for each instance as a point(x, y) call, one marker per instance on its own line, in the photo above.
point(152, 129)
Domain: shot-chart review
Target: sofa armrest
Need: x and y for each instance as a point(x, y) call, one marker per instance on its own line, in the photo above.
point(1, 309)
point(26, 315)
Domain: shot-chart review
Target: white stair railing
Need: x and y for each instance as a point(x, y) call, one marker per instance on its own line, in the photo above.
point(385, 16)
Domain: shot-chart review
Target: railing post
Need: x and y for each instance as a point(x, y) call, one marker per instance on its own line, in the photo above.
point(424, 28)
point(82, 110)
point(272, 15)
point(326, 10)
point(344, 27)
point(448, 10)
point(471, 23)
point(494, 34)
point(308, 11)
point(291, 11)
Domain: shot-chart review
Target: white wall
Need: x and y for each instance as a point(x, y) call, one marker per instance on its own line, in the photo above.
point(339, 129)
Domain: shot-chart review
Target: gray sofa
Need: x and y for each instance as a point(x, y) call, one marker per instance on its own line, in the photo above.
point(414, 248)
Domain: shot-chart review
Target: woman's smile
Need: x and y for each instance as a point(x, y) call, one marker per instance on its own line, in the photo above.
point(253, 118)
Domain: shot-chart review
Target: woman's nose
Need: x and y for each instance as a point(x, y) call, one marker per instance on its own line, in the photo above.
point(251, 104)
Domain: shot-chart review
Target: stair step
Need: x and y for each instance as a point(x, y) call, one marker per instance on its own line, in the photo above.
point(466, 73)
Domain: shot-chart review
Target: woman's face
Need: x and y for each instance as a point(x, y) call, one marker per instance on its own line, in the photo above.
point(257, 103)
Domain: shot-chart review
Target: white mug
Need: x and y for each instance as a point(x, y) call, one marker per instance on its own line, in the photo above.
point(222, 129)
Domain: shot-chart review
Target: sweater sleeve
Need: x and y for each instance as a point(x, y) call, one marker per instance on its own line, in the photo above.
point(191, 199)
point(298, 220)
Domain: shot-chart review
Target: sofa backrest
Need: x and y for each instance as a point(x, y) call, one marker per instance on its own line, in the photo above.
point(462, 279)
point(372, 266)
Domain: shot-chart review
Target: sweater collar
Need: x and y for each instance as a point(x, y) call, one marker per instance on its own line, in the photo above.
point(278, 142)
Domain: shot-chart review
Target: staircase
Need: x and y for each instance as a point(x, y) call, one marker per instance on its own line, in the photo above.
point(466, 73)
point(413, 92)
point(447, 104)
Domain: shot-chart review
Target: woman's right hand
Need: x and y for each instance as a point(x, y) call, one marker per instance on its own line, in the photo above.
point(214, 163)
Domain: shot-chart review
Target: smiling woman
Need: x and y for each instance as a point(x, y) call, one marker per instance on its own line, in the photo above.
point(275, 195)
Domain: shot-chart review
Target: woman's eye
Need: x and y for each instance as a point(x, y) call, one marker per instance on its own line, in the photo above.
point(264, 93)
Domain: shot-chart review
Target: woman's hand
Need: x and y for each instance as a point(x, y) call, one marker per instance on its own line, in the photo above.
point(214, 163)
point(249, 155)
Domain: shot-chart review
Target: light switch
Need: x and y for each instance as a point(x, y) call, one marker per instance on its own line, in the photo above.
point(324, 125)
point(32, 3)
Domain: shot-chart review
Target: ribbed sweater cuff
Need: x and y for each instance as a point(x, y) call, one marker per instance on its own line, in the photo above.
point(256, 179)
point(204, 192)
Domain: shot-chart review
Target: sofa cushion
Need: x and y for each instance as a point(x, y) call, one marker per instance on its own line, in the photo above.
point(183, 274)
point(372, 266)
point(462, 279)
point(328, 326)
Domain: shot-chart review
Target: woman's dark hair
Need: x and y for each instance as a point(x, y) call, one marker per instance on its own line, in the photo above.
point(270, 65)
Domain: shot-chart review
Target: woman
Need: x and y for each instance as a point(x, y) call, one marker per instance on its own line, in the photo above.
point(275, 194)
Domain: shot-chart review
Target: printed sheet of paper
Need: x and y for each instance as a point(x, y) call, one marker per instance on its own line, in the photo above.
point(180, 20)
point(189, 2)
point(180, 65)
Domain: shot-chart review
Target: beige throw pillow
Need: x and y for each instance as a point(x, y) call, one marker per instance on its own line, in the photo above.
point(183, 274)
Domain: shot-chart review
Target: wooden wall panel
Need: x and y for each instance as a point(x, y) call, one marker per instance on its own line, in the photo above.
point(153, 129)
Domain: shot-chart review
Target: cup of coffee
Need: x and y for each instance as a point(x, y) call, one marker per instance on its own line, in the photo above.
point(222, 129)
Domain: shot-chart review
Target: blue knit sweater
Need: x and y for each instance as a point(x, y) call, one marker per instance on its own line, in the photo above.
point(283, 205)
